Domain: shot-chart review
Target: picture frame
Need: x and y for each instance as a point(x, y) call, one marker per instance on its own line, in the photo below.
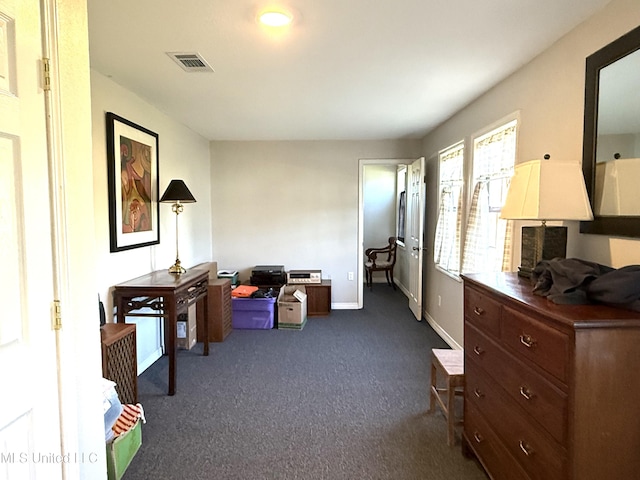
point(132, 170)
point(402, 209)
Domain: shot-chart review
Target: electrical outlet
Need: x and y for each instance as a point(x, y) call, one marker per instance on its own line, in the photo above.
point(350, 276)
point(439, 300)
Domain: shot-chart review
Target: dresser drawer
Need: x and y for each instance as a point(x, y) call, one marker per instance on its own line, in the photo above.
point(532, 339)
point(491, 452)
point(538, 397)
point(540, 456)
point(482, 311)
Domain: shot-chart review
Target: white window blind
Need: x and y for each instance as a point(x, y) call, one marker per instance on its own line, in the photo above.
point(449, 226)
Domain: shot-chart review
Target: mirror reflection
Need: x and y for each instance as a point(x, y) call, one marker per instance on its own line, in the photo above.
point(617, 168)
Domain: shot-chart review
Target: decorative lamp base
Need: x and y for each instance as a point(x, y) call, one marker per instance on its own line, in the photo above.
point(541, 243)
point(176, 268)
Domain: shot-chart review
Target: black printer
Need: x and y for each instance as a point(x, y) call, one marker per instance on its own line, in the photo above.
point(268, 276)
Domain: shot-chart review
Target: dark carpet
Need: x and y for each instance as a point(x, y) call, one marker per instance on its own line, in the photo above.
point(345, 398)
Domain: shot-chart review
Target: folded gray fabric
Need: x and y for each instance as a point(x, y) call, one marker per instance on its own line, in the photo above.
point(620, 288)
point(575, 281)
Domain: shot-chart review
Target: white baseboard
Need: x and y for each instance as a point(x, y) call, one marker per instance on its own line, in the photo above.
point(147, 362)
point(344, 306)
point(441, 332)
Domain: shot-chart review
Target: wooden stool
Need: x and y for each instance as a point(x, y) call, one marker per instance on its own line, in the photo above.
point(451, 364)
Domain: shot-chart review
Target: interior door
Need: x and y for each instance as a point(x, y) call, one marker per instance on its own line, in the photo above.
point(29, 413)
point(415, 237)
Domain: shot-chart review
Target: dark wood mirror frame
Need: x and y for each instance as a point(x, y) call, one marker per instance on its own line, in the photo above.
point(614, 226)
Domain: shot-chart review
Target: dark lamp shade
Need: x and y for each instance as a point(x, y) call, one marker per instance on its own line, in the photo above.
point(177, 191)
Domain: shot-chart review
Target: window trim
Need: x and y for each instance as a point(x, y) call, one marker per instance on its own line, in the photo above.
point(479, 134)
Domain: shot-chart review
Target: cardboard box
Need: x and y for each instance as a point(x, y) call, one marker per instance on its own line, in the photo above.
point(187, 329)
point(292, 307)
point(252, 313)
point(121, 451)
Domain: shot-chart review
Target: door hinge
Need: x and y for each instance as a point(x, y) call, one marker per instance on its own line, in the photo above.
point(57, 315)
point(46, 74)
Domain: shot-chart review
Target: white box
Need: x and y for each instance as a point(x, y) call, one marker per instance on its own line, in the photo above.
point(292, 307)
point(187, 331)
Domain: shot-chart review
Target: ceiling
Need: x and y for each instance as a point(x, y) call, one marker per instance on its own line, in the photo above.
point(344, 69)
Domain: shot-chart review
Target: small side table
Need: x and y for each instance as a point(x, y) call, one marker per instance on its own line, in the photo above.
point(318, 298)
point(219, 316)
point(450, 364)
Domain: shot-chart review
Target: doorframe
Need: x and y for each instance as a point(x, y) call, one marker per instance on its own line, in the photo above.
point(362, 163)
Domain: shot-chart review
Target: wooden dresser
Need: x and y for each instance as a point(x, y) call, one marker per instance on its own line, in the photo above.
point(551, 391)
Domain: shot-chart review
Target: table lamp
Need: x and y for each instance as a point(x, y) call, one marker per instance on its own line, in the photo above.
point(178, 193)
point(544, 190)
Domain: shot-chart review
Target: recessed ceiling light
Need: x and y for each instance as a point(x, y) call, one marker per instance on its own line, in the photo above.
point(275, 18)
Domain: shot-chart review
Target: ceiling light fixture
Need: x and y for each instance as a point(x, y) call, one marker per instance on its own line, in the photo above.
point(275, 18)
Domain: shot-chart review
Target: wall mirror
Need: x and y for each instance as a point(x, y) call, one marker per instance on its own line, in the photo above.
point(611, 149)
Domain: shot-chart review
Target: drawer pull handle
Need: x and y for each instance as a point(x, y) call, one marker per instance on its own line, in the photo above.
point(527, 341)
point(528, 451)
point(526, 393)
point(477, 350)
point(478, 311)
point(477, 437)
point(478, 393)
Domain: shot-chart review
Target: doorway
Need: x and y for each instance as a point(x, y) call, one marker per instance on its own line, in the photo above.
point(381, 183)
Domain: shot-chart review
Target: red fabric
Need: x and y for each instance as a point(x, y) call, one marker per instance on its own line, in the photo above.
point(128, 418)
point(243, 291)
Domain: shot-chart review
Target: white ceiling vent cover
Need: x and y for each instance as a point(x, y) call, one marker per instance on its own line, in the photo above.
point(190, 62)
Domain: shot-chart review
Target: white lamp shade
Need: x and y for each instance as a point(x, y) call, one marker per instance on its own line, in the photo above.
point(547, 190)
point(617, 187)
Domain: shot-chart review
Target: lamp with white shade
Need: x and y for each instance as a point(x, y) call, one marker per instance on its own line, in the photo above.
point(544, 190)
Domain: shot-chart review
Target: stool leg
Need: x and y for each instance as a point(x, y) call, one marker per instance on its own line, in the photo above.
point(451, 394)
point(432, 394)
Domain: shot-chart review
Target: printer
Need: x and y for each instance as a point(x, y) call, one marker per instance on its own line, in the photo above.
point(268, 276)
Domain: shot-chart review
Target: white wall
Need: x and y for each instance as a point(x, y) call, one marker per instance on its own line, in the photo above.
point(549, 93)
point(293, 204)
point(182, 154)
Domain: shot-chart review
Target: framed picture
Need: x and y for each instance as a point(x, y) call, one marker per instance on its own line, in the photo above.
point(132, 156)
point(402, 210)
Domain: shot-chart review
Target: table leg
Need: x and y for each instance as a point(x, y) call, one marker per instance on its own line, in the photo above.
point(204, 311)
point(119, 302)
point(171, 333)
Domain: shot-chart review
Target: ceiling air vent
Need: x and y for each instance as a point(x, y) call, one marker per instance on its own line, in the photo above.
point(190, 62)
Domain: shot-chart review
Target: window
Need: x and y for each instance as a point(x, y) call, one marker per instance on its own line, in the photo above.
point(448, 229)
point(487, 246)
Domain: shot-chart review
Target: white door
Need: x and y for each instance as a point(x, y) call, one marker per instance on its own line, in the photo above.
point(29, 413)
point(414, 240)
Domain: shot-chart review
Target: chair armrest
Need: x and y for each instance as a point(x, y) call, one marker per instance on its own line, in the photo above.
point(374, 251)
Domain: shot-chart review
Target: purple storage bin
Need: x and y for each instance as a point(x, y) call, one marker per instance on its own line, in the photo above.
point(252, 313)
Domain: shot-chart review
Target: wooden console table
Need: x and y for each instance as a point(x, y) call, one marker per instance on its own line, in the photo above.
point(168, 295)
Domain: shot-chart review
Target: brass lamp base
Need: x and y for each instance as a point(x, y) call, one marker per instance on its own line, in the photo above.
point(541, 243)
point(176, 268)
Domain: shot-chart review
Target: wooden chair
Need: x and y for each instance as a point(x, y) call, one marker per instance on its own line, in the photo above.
point(385, 263)
point(449, 363)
